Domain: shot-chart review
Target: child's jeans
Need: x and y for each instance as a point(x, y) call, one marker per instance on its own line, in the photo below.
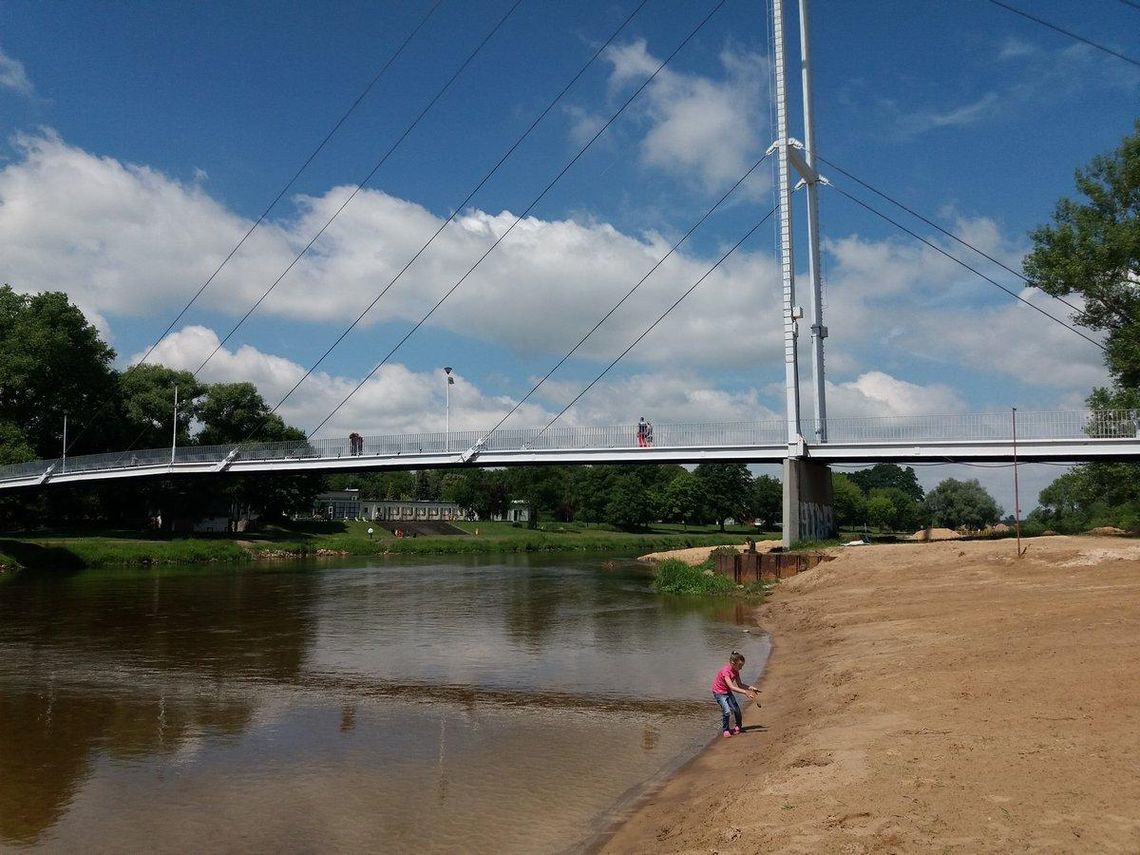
point(728, 707)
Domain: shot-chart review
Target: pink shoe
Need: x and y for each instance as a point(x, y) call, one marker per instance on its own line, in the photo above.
point(727, 734)
point(736, 730)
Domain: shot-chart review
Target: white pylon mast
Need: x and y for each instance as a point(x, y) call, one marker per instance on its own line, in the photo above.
point(787, 256)
point(789, 156)
point(818, 330)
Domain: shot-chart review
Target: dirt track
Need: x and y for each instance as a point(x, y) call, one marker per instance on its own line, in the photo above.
point(940, 697)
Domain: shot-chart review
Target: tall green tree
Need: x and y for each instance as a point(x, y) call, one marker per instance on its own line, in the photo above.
point(631, 504)
point(957, 504)
point(146, 398)
point(52, 361)
point(726, 487)
point(1092, 249)
point(683, 499)
point(767, 503)
point(848, 501)
point(883, 476)
point(234, 412)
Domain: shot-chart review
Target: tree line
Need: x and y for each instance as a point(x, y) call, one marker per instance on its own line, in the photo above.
point(53, 362)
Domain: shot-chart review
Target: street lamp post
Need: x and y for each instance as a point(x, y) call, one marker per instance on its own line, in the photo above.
point(64, 467)
point(174, 433)
point(447, 409)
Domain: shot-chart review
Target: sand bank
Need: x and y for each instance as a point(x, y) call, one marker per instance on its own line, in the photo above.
point(941, 697)
point(698, 554)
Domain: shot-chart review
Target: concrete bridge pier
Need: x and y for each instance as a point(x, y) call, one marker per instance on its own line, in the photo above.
point(809, 512)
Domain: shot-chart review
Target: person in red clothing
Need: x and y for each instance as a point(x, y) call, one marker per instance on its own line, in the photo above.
point(726, 682)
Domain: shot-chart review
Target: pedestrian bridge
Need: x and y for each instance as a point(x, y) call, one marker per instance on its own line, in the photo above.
point(1073, 436)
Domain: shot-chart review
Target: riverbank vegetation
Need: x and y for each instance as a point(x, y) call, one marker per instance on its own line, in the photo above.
point(677, 577)
point(55, 550)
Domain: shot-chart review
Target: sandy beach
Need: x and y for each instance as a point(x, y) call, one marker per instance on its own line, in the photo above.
point(942, 697)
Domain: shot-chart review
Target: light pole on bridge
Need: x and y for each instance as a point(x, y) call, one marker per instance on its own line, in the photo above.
point(447, 409)
point(174, 433)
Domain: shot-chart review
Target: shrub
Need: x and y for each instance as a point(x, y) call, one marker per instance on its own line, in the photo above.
point(677, 577)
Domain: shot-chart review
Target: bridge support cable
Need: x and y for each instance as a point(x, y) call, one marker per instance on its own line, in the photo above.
point(962, 263)
point(628, 294)
point(367, 178)
point(660, 318)
point(947, 233)
point(344, 204)
point(459, 208)
point(1069, 33)
point(566, 168)
point(273, 203)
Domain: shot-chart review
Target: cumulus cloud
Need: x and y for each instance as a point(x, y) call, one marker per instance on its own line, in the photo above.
point(397, 400)
point(401, 400)
point(13, 77)
point(127, 240)
point(698, 127)
point(896, 296)
point(876, 393)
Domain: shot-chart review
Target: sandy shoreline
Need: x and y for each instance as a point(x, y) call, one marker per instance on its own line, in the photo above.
point(939, 697)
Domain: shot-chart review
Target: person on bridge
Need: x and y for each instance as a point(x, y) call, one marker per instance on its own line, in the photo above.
point(726, 682)
point(642, 433)
point(355, 444)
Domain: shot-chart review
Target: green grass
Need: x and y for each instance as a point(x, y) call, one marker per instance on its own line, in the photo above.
point(79, 552)
point(677, 577)
point(61, 550)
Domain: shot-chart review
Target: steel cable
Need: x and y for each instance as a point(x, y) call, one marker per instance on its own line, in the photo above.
point(509, 229)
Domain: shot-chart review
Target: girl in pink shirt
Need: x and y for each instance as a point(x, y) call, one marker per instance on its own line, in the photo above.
point(726, 682)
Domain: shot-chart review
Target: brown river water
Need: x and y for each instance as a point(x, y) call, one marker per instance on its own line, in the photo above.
point(484, 704)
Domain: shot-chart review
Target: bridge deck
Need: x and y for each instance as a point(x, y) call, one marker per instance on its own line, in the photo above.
point(1043, 436)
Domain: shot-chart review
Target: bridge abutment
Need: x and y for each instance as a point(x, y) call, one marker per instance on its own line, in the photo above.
point(809, 512)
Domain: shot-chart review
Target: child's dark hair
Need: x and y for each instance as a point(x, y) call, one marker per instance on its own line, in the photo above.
point(736, 658)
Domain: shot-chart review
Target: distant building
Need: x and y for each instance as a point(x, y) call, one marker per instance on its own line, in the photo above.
point(337, 505)
point(347, 505)
point(412, 510)
point(518, 512)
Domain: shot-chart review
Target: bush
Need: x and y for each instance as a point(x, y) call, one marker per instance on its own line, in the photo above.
point(677, 577)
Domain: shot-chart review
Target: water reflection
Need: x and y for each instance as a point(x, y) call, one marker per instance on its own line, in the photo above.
point(85, 658)
point(329, 702)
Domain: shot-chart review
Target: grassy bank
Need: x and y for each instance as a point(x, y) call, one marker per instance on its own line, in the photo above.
point(63, 550)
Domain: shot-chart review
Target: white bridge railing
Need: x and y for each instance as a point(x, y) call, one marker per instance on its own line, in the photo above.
point(1031, 426)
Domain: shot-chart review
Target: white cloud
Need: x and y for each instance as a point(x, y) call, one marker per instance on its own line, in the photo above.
point(1015, 48)
point(400, 400)
point(13, 77)
point(397, 400)
point(911, 121)
point(127, 240)
point(877, 394)
point(898, 297)
point(698, 127)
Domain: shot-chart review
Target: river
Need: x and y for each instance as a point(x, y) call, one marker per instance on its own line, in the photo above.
point(483, 704)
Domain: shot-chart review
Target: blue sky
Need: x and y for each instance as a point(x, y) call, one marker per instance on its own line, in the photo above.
point(140, 141)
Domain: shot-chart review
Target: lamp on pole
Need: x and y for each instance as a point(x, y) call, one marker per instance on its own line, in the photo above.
point(174, 433)
point(64, 467)
point(447, 408)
